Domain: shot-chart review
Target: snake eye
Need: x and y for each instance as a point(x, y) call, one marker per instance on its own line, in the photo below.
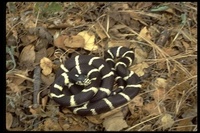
point(82, 80)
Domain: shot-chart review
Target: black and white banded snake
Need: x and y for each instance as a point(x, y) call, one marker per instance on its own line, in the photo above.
point(84, 83)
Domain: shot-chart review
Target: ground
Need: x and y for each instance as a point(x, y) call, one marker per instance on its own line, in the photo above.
point(40, 35)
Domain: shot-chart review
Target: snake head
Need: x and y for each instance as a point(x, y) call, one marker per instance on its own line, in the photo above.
point(82, 80)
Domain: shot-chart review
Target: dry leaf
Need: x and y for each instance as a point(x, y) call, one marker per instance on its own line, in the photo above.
point(16, 88)
point(182, 125)
point(89, 38)
point(153, 108)
point(139, 68)
point(159, 94)
point(28, 39)
point(140, 55)
point(50, 51)
point(100, 32)
point(167, 121)
point(136, 101)
point(48, 79)
point(160, 83)
point(74, 41)
point(46, 65)
point(50, 125)
point(94, 119)
point(171, 51)
point(28, 54)
point(9, 120)
point(44, 102)
point(113, 43)
point(115, 122)
point(40, 54)
point(59, 41)
point(144, 33)
point(186, 45)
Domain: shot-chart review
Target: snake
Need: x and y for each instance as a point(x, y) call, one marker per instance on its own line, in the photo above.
point(91, 85)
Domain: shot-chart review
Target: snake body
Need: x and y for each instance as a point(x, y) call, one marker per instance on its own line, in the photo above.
point(85, 83)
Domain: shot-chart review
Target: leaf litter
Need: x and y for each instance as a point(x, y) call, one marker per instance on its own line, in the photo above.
point(162, 35)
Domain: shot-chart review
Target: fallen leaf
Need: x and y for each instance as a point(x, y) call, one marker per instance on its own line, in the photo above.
point(140, 55)
point(139, 68)
point(44, 102)
point(48, 79)
point(167, 121)
point(115, 122)
point(46, 65)
point(50, 51)
point(40, 54)
point(113, 43)
point(136, 101)
point(28, 39)
point(95, 119)
point(159, 94)
point(9, 120)
point(182, 125)
point(59, 42)
point(186, 45)
point(74, 41)
point(28, 54)
point(153, 108)
point(171, 51)
point(144, 33)
point(160, 83)
point(51, 125)
point(100, 32)
point(16, 88)
point(89, 38)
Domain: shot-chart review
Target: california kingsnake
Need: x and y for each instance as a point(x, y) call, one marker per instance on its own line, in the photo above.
point(84, 83)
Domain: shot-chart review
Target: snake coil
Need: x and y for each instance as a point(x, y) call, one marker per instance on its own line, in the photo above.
point(85, 83)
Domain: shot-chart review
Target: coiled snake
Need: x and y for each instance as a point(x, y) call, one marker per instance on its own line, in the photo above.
point(85, 83)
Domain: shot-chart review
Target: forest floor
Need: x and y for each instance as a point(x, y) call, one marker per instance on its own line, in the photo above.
point(163, 35)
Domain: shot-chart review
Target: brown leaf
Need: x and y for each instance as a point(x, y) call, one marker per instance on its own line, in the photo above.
point(100, 32)
point(153, 108)
point(28, 39)
point(50, 51)
point(46, 65)
point(40, 54)
point(139, 68)
point(16, 88)
point(140, 55)
point(59, 41)
point(94, 119)
point(113, 43)
point(160, 83)
point(144, 33)
point(89, 38)
point(28, 54)
point(74, 41)
point(9, 120)
point(115, 122)
point(171, 51)
point(159, 94)
point(167, 121)
point(44, 102)
point(51, 125)
point(136, 101)
point(48, 79)
point(182, 125)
